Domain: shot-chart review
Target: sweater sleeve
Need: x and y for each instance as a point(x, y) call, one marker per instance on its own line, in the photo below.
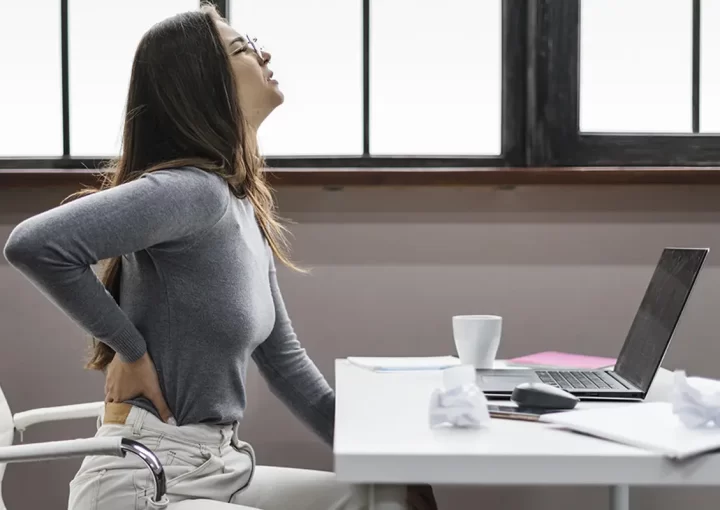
point(55, 249)
point(292, 375)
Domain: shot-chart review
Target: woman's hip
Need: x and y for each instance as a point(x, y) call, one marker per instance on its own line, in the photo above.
point(200, 461)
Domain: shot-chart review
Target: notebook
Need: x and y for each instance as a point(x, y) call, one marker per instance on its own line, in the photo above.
point(650, 425)
point(395, 364)
point(555, 359)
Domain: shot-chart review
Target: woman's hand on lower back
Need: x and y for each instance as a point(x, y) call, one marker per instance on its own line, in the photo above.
point(125, 381)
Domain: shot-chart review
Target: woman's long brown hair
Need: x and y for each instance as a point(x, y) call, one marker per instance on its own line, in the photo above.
point(183, 110)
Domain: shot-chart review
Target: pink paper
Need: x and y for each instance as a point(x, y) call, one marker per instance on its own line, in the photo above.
point(564, 360)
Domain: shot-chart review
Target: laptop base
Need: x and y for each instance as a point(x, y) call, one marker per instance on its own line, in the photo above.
point(499, 384)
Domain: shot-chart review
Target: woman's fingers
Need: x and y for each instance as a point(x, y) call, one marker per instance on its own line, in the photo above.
point(125, 381)
point(158, 401)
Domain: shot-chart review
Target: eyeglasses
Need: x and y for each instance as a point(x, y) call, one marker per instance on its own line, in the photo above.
point(253, 43)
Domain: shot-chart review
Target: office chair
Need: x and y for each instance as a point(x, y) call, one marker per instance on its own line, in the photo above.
point(72, 448)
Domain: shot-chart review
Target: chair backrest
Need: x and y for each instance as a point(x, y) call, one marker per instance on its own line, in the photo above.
point(7, 433)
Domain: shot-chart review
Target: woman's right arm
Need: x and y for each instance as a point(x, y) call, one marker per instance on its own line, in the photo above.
point(55, 249)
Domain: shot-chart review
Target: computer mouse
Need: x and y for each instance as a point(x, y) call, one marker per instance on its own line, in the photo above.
point(543, 396)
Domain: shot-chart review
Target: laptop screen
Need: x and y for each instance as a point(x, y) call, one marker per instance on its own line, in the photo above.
point(658, 315)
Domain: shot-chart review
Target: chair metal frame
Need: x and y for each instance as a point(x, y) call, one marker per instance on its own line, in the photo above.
point(51, 450)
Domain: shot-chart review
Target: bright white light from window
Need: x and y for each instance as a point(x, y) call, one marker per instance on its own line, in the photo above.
point(31, 83)
point(104, 35)
point(709, 66)
point(435, 77)
point(316, 48)
point(636, 66)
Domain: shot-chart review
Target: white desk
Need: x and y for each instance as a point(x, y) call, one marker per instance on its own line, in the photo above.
point(382, 437)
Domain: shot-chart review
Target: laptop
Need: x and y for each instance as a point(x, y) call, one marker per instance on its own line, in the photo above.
point(644, 348)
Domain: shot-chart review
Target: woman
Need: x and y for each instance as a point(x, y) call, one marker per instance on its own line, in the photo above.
point(190, 293)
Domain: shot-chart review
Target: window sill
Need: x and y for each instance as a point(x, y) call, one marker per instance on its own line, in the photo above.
point(378, 177)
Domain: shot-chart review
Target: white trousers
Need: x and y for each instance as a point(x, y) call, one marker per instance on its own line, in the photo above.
point(207, 467)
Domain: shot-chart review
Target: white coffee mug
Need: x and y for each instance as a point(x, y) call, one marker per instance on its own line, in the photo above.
point(477, 338)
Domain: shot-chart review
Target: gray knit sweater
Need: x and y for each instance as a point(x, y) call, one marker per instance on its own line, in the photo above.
point(198, 292)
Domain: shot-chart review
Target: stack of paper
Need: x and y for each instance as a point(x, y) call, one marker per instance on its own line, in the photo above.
point(395, 364)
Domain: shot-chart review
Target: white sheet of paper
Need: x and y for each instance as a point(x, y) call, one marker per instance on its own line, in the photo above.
point(650, 425)
point(394, 364)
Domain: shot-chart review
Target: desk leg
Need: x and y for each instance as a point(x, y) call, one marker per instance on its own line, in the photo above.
point(619, 497)
point(387, 497)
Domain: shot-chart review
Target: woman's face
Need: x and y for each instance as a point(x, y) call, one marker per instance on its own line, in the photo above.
point(258, 92)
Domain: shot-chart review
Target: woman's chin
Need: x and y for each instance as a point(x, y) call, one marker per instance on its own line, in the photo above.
point(277, 93)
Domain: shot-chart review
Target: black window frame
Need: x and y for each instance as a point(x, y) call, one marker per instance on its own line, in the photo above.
point(513, 149)
point(554, 129)
point(539, 126)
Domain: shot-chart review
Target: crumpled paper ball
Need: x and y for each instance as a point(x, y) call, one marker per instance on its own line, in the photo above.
point(460, 403)
point(694, 408)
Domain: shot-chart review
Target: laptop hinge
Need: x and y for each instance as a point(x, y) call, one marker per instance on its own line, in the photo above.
point(628, 385)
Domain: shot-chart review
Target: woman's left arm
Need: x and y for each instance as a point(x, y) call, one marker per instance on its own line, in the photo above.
point(295, 379)
point(292, 375)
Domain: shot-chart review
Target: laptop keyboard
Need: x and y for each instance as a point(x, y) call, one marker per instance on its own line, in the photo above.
point(578, 380)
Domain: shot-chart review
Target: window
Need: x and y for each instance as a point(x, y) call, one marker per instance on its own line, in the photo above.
point(435, 76)
point(318, 65)
point(100, 56)
point(416, 85)
point(618, 84)
point(636, 66)
point(387, 83)
point(31, 121)
point(709, 67)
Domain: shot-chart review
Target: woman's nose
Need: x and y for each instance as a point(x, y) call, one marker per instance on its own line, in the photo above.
point(266, 56)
